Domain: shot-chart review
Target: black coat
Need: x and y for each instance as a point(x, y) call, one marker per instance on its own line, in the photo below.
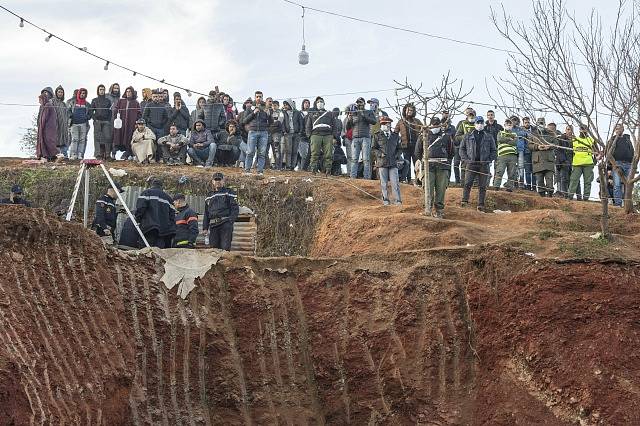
point(485, 148)
point(105, 216)
point(441, 147)
point(256, 120)
point(298, 122)
point(155, 115)
point(180, 118)
point(387, 149)
point(214, 116)
point(623, 149)
point(186, 228)
point(101, 108)
point(155, 212)
point(219, 207)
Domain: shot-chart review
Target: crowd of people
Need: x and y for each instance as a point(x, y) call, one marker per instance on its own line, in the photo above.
point(520, 154)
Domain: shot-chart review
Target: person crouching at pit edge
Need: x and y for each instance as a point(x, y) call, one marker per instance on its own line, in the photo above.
point(106, 213)
point(386, 146)
point(186, 223)
point(220, 213)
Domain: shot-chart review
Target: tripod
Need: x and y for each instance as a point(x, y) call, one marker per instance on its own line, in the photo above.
point(84, 173)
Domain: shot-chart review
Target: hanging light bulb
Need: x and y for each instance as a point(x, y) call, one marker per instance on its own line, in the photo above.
point(189, 93)
point(135, 73)
point(48, 38)
point(303, 56)
point(106, 66)
point(84, 49)
point(21, 23)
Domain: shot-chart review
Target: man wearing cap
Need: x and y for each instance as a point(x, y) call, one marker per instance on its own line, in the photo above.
point(360, 123)
point(477, 151)
point(321, 126)
point(186, 223)
point(156, 215)
point(15, 197)
point(463, 128)
point(220, 213)
point(106, 214)
point(386, 146)
point(143, 143)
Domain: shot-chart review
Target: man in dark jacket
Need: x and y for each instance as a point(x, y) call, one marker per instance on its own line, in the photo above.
point(155, 116)
point(102, 126)
point(179, 115)
point(321, 126)
point(440, 156)
point(186, 223)
point(106, 214)
point(463, 128)
point(220, 213)
point(228, 150)
point(386, 147)
point(564, 160)
point(213, 114)
point(543, 157)
point(15, 197)
point(295, 127)
point(257, 121)
point(201, 145)
point(276, 129)
point(477, 151)
point(156, 215)
point(622, 151)
point(361, 122)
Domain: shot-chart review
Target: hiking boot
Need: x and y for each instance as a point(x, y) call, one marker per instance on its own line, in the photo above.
point(481, 209)
point(385, 202)
point(509, 190)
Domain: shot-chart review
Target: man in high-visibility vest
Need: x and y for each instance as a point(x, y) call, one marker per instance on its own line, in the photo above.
point(507, 157)
point(463, 128)
point(582, 163)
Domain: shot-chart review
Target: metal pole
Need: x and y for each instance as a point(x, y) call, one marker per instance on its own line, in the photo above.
point(76, 189)
point(85, 211)
point(131, 216)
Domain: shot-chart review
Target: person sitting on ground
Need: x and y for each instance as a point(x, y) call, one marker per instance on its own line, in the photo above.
point(220, 213)
point(174, 147)
point(156, 215)
point(386, 146)
point(201, 145)
point(15, 197)
point(228, 151)
point(143, 143)
point(441, 152)
point(186, 223)
point(477, 151)
point(106, 214)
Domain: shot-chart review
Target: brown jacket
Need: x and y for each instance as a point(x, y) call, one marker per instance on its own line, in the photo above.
point(409, 129)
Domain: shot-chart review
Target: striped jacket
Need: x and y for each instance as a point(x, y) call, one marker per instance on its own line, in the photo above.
point(219, 207)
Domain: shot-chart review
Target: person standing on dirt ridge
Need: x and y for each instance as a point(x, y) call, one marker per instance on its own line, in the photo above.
point(386, 146)
point(477, 151)
point(360, 122)
point(156, 215)
point(15, 197)
point(463, 128)
point(106, 214)
point(220, 213)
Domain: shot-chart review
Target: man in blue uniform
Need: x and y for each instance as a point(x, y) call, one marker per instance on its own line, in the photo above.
point(220, 212)
point(186, 223)
point(106, 213)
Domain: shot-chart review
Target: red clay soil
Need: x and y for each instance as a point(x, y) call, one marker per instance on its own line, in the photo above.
point(475, 335)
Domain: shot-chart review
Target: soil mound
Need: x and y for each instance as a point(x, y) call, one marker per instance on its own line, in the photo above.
point(474, 335)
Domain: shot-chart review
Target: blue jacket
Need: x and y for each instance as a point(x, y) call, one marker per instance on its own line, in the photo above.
point(521, 143)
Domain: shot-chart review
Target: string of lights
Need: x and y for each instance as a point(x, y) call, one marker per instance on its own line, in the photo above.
point(85, 50)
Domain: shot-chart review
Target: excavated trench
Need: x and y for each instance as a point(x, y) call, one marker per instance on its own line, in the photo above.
point(476, 335)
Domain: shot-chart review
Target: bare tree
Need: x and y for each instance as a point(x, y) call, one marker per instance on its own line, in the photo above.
point(449, 94)
point(562, 65)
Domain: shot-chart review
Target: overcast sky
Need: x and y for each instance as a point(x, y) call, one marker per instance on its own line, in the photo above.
point(244, 45)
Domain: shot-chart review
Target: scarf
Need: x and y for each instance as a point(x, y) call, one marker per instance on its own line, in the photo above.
point(81, 102)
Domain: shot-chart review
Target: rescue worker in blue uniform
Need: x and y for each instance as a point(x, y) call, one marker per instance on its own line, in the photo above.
point(220, 213)
point(106, 214)
point(186, 223)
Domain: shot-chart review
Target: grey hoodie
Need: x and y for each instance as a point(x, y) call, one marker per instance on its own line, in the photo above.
point(295, 118)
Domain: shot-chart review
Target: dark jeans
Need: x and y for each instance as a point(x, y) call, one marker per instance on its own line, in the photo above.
point(479, 171)
point(155, 240)
point(220, 236)
point(409, 155)
point(563, 172)
point(458, 174)
point(159, 132)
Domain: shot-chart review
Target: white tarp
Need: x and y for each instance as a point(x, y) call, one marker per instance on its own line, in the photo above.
point(183, 266)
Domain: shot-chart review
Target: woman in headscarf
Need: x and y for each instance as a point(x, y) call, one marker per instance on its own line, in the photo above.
point(129, 110)
point(47, 127)
point(62, 118)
